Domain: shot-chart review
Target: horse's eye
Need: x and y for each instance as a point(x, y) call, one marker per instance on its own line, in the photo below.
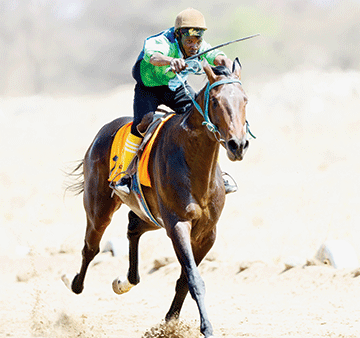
point(214, 102)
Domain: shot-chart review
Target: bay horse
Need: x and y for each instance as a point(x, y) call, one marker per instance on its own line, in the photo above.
point(187, 191)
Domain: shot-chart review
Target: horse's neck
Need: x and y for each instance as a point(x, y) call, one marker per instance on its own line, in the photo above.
point(202, 150)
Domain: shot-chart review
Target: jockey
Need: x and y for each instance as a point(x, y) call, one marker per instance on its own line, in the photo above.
point(155, 86)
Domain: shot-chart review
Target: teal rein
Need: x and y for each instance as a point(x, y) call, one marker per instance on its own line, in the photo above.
point(211, 127)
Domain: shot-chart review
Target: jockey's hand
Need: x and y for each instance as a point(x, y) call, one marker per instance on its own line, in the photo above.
point(177, 65)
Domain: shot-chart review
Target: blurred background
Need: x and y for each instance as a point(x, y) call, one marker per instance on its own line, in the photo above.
point(85, 46)
point(65, 70)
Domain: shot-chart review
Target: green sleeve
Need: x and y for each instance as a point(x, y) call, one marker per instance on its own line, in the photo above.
point(210, 56)
point(159, 44)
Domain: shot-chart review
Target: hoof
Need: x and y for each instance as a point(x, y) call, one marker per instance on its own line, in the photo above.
point(72, 286)
point(77, 287)
point(120, 287)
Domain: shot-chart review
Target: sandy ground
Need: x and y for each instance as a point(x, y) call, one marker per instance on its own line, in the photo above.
point(299, 187)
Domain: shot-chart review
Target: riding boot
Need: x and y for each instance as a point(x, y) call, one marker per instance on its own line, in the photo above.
point(132, 144)
point(229, 183)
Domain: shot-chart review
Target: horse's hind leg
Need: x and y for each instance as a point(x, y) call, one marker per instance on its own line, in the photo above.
point(136, 228)
point(100, 208)
point(90, 250)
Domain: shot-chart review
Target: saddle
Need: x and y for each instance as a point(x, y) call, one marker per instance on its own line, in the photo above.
point(138, 168)
point(148, 128)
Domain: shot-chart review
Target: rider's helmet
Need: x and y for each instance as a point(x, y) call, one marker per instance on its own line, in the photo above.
point(190, 22)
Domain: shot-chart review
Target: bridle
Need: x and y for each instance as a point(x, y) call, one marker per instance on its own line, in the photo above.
point(196, 69)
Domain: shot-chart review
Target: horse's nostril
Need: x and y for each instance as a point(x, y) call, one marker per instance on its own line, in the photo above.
point(233, 145)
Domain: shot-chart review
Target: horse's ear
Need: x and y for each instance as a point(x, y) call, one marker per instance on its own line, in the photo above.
point(209, 72)
point(237, 68)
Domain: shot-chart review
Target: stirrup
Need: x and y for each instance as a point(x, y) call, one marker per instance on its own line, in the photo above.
point(229, 183)
point(124, 185)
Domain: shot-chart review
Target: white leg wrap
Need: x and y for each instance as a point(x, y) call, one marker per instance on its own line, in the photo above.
point(120, 287)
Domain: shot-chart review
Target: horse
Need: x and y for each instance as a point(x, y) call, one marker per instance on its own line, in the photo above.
point(187, 192)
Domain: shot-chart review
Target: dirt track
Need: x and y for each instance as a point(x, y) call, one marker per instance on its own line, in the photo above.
point(298, 187)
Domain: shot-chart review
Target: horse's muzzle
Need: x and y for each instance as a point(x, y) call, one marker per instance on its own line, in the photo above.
point(236, 148)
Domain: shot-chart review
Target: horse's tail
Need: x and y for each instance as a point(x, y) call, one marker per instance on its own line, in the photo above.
point(76, 175)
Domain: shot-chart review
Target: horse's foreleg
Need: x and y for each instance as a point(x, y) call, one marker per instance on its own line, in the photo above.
point(136, 228)
point(182, 288)
point(180, 236)
point(181, 291)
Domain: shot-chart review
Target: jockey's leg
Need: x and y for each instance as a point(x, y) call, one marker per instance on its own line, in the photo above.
point(146, 100)
point(132, 144)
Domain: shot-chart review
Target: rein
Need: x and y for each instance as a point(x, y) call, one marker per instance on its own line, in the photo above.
point(211, 127)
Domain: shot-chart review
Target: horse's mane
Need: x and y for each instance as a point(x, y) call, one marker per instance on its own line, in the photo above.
point(218, 70)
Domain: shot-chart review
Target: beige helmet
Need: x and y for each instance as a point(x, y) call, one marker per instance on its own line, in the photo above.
point(190, 18)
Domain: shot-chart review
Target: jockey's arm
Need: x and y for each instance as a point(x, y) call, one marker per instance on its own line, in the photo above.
point(222, 60)
point(178, 65)
point(158, 59)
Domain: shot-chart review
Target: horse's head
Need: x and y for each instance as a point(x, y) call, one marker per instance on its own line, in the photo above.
point(227, 109)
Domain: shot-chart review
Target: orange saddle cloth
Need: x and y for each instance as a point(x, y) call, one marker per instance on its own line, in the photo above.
point(117, 149)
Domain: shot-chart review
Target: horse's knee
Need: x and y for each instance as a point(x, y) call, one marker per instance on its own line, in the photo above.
point(196, 285)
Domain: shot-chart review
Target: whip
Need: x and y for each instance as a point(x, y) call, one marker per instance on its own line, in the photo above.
point(221, 45)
